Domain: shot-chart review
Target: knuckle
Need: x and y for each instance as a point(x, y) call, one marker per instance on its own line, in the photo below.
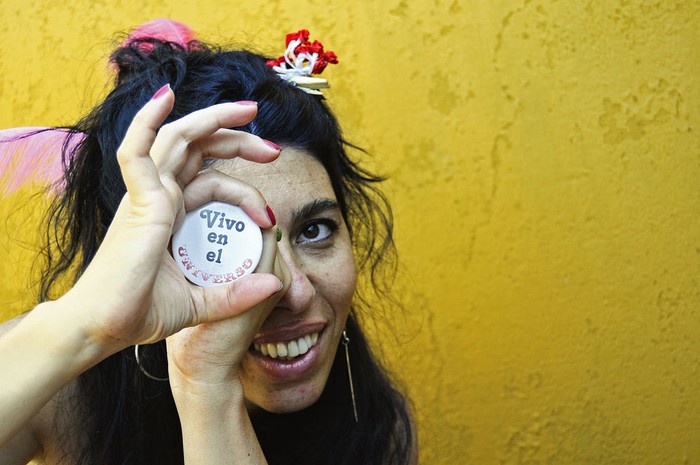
point(252, 191)
point(139, 119)
point(168, 131)
point(175, 132)
point(122, 156)
point(251, 196)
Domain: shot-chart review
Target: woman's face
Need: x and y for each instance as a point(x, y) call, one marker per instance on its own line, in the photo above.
point(287, 367)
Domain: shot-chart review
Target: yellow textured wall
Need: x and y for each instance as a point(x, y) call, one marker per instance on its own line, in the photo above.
point(545, 170)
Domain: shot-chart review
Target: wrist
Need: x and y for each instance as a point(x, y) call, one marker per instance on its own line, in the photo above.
point(216, 427)
point(82, 315)
point(57, 325)
point(206, 393)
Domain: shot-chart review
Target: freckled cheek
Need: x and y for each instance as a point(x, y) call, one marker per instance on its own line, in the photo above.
point(340, 280)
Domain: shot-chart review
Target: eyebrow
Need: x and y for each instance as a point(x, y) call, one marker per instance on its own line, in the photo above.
point(313, 208)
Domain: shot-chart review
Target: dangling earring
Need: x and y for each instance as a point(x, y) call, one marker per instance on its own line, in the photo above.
point(346, 342)
point(143, 370)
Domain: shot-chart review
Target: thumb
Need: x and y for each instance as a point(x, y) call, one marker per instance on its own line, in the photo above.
point(221, 302)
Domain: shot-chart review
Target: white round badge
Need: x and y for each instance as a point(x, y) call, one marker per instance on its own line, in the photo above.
point(217, 244)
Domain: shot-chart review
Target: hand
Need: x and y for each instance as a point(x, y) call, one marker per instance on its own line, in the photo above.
point(133, 292)
point(209, 355)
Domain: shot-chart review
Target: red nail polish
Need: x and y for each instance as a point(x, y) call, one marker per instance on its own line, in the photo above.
point(273, 145)
point(246, 102)
point(271, 215)
point(160, 92)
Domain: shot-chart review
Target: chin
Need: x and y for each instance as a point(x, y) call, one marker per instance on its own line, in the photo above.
point(287, 384)
point(283, 400)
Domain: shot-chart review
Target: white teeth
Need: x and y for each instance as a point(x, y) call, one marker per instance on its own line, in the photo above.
point(303, 346)
point(293, 348)
point(272, 350)
point(287, 350)
point(281, 349)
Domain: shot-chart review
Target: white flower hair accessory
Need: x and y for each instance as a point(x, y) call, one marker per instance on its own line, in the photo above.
point(301, 59)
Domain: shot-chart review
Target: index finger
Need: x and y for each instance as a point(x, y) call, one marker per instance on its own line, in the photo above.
point(170, 149)
point(138, 170)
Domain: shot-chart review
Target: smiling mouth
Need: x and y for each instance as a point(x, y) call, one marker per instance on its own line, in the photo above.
point(287, 350)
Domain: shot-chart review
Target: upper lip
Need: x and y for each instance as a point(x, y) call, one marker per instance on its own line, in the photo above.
point(288, 333)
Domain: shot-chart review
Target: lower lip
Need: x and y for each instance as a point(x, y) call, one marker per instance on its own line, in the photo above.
point(287, 369)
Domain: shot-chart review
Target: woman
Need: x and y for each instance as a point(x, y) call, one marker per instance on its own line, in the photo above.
point(212, 384)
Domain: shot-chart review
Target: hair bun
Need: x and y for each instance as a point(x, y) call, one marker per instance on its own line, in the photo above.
point(153, 43)
point(163, 29)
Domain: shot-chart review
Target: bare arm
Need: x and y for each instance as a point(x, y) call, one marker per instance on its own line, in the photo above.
point(39, 356)
point(132, 292)
point(216, 428)
point(25, 445)
point(204, 368)
point(23, 448)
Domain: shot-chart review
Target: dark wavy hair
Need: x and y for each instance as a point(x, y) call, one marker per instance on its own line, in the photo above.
point(132, 419)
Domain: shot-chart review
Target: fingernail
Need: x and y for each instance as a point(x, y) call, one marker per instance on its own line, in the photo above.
point(246, 102)
point(271, 215)
point(273, 145)
point(160, 92)
point(279, 234)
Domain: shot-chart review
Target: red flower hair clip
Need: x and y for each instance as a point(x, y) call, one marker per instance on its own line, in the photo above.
point(301, 59)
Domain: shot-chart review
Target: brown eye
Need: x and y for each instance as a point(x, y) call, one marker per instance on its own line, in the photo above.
point(312, 231)
point(317, 231)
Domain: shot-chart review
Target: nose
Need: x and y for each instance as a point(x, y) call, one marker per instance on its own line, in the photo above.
point(301, 290)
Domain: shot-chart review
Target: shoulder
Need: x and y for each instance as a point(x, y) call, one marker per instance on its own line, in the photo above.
point(48, 437)
point(58, 427)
